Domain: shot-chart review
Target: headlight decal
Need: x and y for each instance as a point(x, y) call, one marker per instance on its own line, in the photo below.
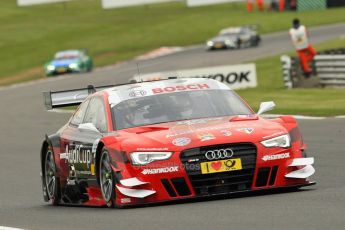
point(282, 141)
point(144, 158)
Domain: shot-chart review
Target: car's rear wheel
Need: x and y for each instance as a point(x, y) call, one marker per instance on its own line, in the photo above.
point(106, 179)
point(51, 181)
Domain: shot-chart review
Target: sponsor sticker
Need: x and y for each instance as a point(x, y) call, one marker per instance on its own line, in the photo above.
point(182, 141)
point(126, 200)
point(276, 157)
point(78, 155)
point(152, 149)
point(226, 133)
point(246, 130)
point(221, 166)
point(137, 93)
point(206, 137)
point(95, 145)
point(178, 88)
point(93, 170)
point(174, 132)
point(160, 170)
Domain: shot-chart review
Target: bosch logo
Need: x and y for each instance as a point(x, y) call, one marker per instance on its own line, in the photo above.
point(137, 93)
point(219, 154)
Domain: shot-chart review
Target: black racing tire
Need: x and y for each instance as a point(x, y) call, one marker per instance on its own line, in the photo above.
point(256, 41)
point(107, 179)
point(238, 44)
point(51, 181)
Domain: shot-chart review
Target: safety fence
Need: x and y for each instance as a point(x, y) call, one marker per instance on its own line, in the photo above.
point(328, 67)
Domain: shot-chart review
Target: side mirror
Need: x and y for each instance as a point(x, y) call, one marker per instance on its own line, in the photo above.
point(88, 127)
point(266, 106)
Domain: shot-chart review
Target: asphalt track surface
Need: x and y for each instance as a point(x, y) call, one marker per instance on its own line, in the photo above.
point(24, 123)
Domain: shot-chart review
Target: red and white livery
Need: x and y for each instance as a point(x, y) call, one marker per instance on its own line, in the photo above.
point(167, 140)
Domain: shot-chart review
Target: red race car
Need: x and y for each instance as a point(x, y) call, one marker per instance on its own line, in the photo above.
point(167, 140)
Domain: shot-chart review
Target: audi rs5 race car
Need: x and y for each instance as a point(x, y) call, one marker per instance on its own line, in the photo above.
point(167, 140)
point(69, 61)
point(235, 38)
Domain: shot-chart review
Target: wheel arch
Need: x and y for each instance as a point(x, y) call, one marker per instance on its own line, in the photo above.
point(49, 142)
point(43, 154)
point(97, 158)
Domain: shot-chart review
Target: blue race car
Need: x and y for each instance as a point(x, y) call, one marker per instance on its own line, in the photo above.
point(69, 61)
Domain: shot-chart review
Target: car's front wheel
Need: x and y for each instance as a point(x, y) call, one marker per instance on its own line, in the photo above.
point(106, 179)
point(51, 181)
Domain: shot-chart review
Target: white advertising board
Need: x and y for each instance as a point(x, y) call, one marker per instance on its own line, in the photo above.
point(208, 2)
point(107, 4)
point(235, 76)
point(36, 2)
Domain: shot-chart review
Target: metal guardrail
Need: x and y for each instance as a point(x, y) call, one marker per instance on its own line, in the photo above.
point(330, 69)
point(329, 66)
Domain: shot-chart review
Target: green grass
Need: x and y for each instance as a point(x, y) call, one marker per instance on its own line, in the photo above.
point(30, 36)
point(315, 102)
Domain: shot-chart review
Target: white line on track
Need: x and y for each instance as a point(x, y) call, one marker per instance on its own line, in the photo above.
point(9, 228)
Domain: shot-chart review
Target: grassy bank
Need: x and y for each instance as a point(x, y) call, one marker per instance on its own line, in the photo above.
point(29, 36)
point(315, 102)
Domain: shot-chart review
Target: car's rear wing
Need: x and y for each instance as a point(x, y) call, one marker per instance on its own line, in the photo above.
point(69, 97)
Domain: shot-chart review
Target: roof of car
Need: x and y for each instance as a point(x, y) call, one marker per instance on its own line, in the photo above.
point(65, 53)
point(121, 93)
point(230, 30)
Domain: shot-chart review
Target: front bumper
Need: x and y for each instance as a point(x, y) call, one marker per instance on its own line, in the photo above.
point(262, 191)
point(137, 186)
point(62, 70)
point(222, 45)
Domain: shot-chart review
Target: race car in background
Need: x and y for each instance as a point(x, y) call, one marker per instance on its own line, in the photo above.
point(235, 38)
point(69, 61)
point(167, 140)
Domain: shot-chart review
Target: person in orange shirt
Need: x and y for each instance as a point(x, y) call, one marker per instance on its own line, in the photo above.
point(305, 51)
point(260, 4)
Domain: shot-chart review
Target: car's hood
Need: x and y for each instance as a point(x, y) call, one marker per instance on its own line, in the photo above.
point(64, 62)
point(201, 132)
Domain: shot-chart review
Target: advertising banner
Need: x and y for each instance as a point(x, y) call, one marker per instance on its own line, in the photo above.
point(235, 76)
point(192, 3)
point(108, 4)
point(37, 2)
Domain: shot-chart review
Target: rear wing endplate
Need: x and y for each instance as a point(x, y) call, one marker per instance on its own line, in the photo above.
point(69, 97)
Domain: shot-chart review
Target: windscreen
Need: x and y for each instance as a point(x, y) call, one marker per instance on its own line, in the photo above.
point(176, 107)
point(67, 55)
point(228, 35)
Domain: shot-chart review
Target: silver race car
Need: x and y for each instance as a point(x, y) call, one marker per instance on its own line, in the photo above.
point(235, 38)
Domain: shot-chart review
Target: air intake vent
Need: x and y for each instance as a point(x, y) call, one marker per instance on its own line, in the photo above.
point(273, 175)
point(181, 186)
point(264, 174)
point(262, 178)
point(168, 187)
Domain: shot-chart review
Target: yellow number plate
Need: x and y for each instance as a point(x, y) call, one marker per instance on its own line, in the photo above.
point(218, 45)
point(221, 166)
point(61, 70)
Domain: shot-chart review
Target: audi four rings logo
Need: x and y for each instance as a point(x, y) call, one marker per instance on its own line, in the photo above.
point(219, 154)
